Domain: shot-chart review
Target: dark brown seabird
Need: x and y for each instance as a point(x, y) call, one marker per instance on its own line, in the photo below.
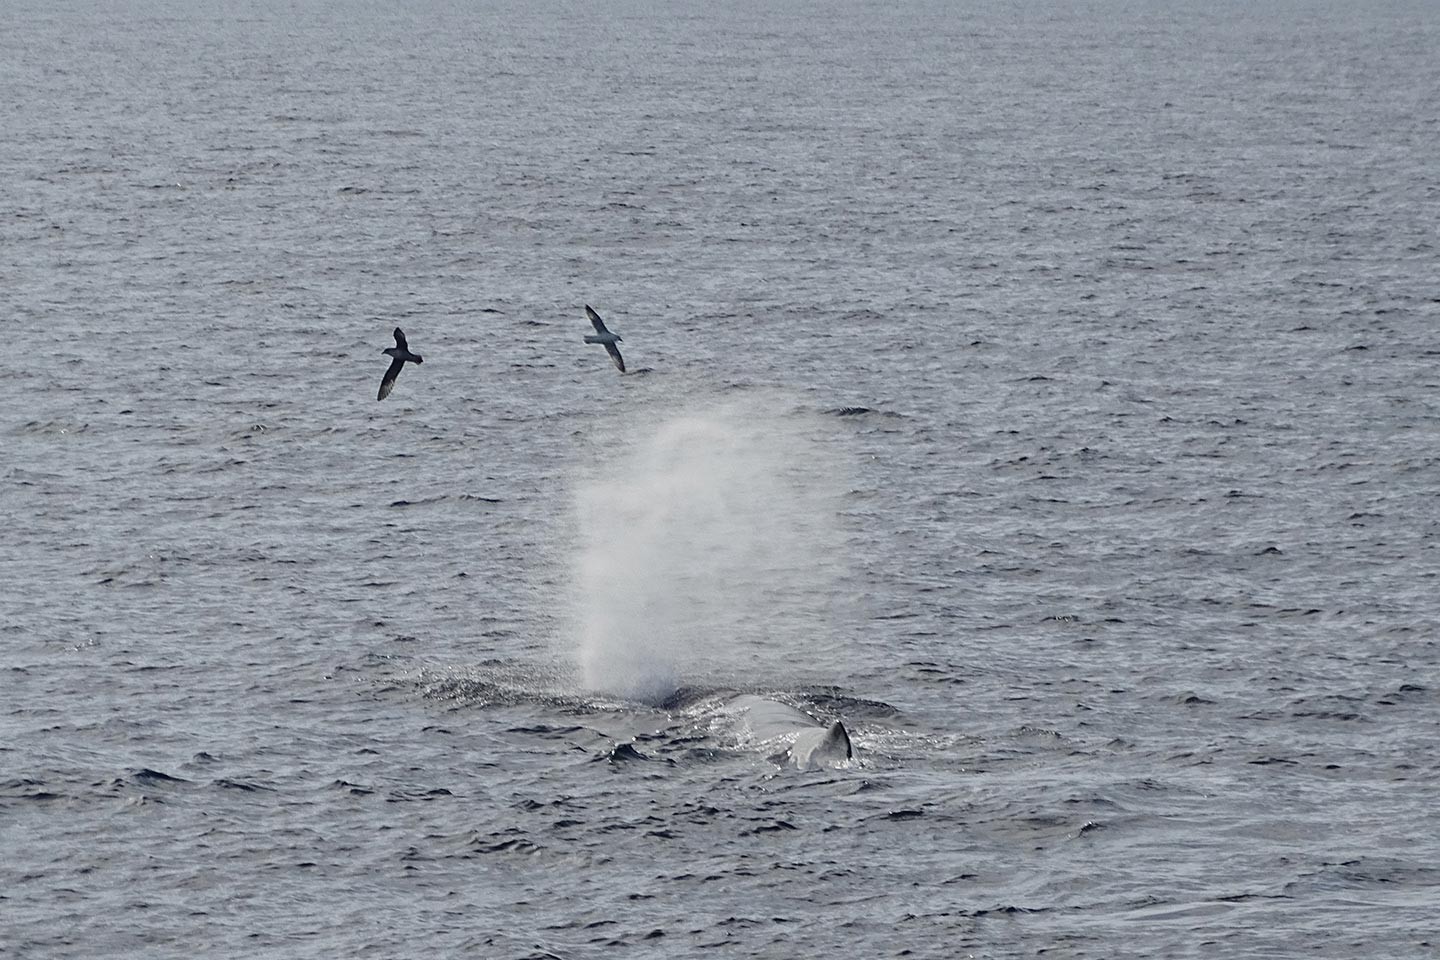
point(401, 353)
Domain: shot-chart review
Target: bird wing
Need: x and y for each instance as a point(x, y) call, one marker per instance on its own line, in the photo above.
point(387, 383)
point(614, 352)
point(595, 319)
point(400, 340)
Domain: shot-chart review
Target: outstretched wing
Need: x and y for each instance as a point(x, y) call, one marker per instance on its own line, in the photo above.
point(599, 324)
point(387, 383)
point(400, 340)
point(614, 352)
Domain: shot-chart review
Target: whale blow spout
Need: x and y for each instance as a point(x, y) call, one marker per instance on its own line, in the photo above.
point(709, 545)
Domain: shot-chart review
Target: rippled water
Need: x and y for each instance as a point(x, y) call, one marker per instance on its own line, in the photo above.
point(1049, 393)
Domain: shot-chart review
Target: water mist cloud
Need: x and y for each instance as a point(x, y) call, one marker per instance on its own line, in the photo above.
point(709, 549)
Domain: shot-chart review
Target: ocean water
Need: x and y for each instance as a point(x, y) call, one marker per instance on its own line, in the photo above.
point(1047, 391)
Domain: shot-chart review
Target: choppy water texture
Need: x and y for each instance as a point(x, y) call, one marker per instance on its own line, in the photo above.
point(1101, 343)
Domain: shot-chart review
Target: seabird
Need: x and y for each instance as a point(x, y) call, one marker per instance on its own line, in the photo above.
point(606, 337)
point(401, 353)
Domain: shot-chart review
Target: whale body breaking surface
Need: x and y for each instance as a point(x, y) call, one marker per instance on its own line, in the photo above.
point(804, 742)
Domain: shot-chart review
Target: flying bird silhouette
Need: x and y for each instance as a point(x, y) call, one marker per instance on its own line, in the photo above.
point(604, 336)
point(401, 353)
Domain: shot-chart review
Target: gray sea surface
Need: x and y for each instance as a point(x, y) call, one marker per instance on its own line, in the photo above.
point(1047, 391)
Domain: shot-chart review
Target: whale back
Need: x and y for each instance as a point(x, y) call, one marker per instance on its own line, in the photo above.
point(766, 719)
point(821, 747)
point(809, 744)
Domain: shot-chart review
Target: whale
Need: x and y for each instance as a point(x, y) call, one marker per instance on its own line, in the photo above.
point(803, 741)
